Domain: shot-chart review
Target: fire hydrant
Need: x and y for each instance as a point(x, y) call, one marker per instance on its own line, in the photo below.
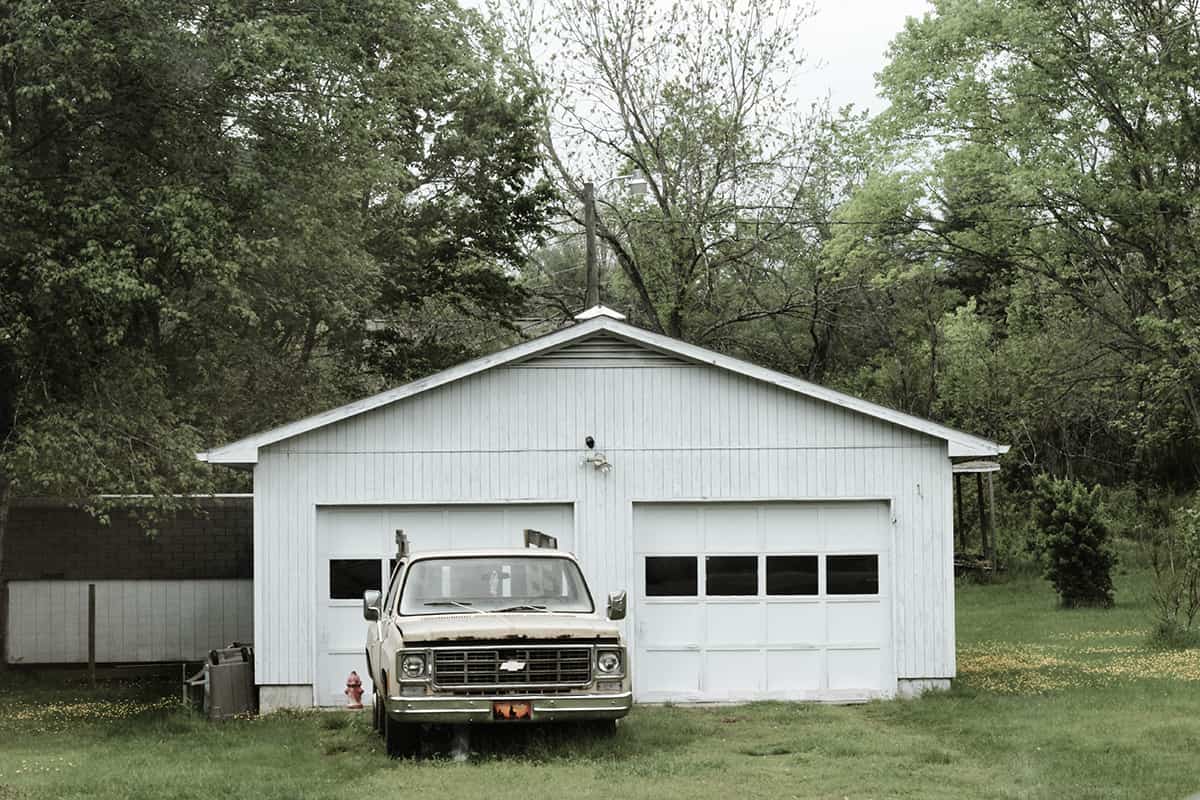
point(354, 690)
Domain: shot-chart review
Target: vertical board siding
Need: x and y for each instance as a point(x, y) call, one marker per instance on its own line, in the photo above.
point(136, 620)
point(671, 432)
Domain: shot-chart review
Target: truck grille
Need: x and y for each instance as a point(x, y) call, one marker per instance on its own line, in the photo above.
point(543, 666)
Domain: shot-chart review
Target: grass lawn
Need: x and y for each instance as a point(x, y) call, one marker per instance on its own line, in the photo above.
point(1049, 703)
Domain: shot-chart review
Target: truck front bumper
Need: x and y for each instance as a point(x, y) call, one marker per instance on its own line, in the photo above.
point(451, 709)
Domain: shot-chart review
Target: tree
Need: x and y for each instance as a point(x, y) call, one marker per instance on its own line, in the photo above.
point(221, 216)
point(735, 187)
point(1072, 542)
point(1062, 166)
point(1176, 561)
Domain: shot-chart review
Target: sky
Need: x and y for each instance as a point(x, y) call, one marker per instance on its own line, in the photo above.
point(845, 42)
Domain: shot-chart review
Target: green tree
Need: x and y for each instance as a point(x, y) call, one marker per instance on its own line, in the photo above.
point(715, 233)
point(1175, 558)
point(1071, 541)
point(1062, 181)
point(220, 216)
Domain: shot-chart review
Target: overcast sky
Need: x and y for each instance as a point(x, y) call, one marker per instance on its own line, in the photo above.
point(845, 42)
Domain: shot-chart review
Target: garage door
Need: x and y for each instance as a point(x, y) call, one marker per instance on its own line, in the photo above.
point(763, 601)
point(356, 546)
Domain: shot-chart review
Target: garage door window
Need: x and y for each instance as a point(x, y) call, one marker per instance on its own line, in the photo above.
point(671, 576)
point(350, 577)
point(792, 575)
point(852, 574)
point(730, 575)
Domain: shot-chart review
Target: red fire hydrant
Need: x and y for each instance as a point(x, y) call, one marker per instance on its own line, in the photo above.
point(354, 690)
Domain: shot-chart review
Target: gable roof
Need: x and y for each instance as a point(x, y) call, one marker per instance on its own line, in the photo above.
point(244, 452)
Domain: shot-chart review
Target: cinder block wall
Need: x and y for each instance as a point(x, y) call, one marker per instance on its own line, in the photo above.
point(48, 540)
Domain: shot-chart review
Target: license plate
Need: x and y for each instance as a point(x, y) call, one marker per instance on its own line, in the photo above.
point(511, 711)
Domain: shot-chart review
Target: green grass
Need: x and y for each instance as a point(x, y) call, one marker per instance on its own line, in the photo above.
point(1050, 703)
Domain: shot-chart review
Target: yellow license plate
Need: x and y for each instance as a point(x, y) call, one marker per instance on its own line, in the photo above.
point(512, 711)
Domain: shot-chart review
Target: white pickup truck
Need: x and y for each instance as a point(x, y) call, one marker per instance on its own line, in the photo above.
point(492, 636)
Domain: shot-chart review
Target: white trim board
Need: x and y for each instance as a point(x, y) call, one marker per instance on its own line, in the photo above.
point(244, 452)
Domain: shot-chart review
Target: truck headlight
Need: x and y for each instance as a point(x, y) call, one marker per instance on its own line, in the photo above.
point(412, 665)
point(608, 661)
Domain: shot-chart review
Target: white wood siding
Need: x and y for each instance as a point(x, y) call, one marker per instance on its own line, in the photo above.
point(136, 620)
point(670, 432)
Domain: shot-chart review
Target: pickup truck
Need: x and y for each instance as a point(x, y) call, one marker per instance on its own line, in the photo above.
point(505, 636)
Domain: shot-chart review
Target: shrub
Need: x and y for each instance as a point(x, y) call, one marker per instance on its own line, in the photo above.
point(1176, 561)
point(1072, 542)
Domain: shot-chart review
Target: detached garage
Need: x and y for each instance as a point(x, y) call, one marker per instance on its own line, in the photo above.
point(777, 539)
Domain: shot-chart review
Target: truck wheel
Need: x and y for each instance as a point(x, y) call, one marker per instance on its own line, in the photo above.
point(376, 713)
point(401, 739)
point(602, 728)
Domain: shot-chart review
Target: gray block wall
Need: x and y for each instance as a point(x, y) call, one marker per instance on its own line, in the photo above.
point(47, 539)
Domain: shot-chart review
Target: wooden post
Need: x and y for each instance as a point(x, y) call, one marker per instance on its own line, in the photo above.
point(589, 225)
point(960, 519)
point(990, 546)
point(983, 533)
point(92, 634)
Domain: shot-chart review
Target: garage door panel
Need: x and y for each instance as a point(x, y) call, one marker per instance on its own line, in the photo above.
point(726, 531)
point(855, 526)
point(795, 623)
point(346, 629)
point(666, 530)
point(794, 671)
point(855, 669)
point(732, 675)
point(479, 528)
point(791, 529)
point(669, 624)
point(856, 622)
point(669, 673)
point(331, 684)
point(355, 532)
point(425, 529)
point(734, 624)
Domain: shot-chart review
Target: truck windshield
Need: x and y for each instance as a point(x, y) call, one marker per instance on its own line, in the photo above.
point(494, 584)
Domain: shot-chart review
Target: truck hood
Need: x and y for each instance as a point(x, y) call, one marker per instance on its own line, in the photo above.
point(514, 625)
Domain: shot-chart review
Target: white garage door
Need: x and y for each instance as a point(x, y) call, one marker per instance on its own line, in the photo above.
point(356, 546)
point(743, 601)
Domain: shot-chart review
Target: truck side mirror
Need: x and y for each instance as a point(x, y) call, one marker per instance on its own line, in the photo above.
point(371, 605)
point(616, 605)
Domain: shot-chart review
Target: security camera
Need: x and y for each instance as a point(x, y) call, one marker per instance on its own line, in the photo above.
point(590, 442)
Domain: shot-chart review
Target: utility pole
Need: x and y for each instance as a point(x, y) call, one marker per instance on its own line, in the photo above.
point(589, 226)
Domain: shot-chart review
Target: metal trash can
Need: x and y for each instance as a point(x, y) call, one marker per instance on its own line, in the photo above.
point(224, 686)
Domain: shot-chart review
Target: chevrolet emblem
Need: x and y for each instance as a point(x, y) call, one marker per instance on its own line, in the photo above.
point(512, 665)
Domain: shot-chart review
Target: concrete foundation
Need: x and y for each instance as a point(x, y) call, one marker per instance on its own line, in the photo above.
point(275, 698)
point(915, 687)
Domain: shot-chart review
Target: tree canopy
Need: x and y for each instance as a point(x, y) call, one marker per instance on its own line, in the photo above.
point(222, 216)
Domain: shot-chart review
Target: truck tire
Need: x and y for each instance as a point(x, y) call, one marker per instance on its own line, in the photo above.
point(602, 728)
point(401, 739)
point(376, 713)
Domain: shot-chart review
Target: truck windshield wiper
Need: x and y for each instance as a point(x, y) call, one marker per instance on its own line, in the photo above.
point(456, 604)
point(522, 608)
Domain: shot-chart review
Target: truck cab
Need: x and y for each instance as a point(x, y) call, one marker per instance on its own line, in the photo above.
point(504, 636)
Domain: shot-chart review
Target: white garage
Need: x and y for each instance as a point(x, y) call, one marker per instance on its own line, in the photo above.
point(777, 539)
